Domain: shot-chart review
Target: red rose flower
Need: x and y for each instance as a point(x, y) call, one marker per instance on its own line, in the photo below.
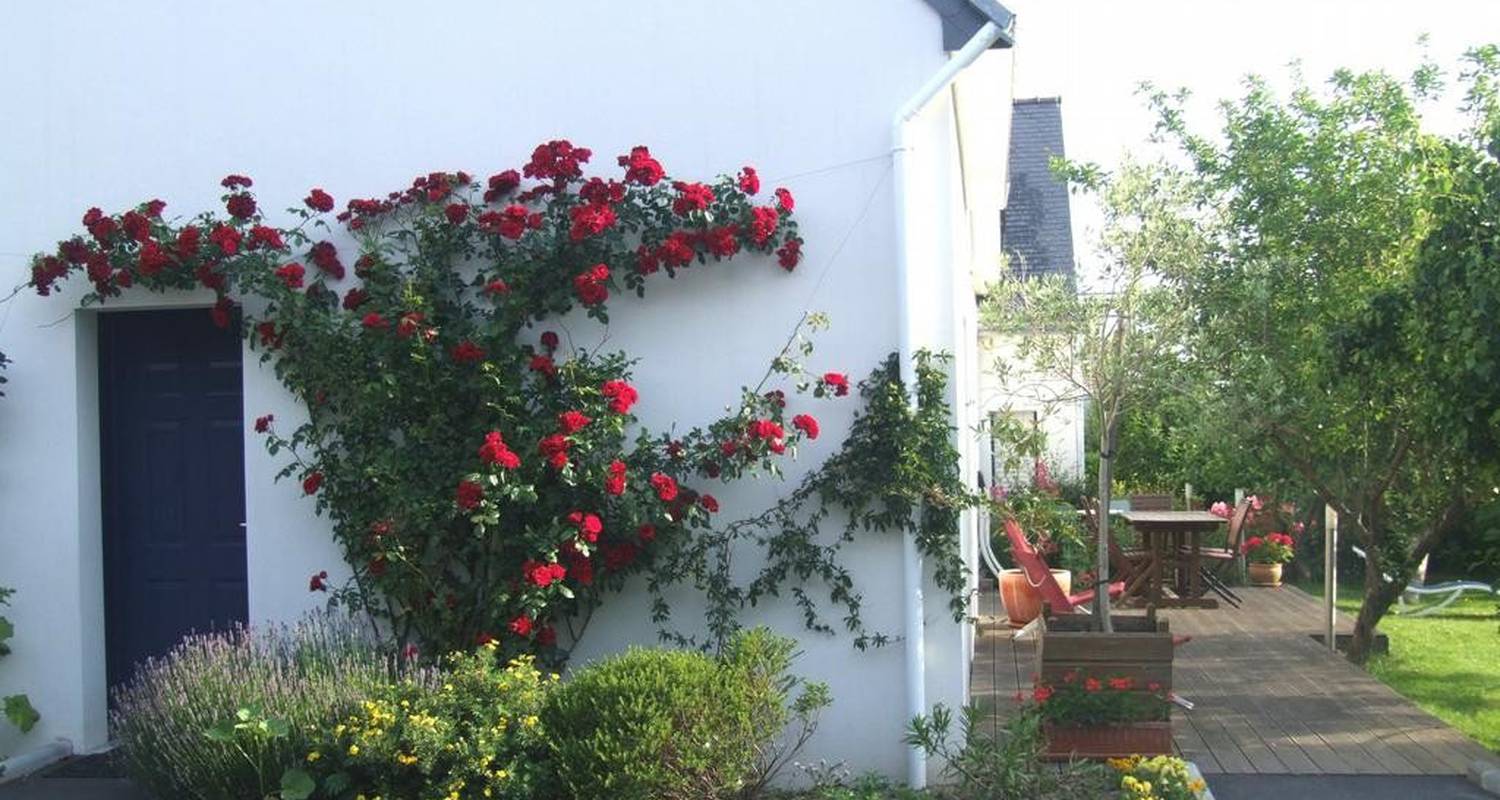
point(619, 555)
point(615, 483)
point(722, 242)
point(646, 260)
point(521, 626)
point(749, 181)
point(311, 483)
point(837, 382)
point(549, 340)
point(789, 254)
point(241, 206)
point(641, 168)
point(621, 396)
point(264, 236)
point(99, 226)
point(502, 184)
point(807, 424)
point(691, 197)
point(665, 486)
point(468, 495)
point(374, 322)
point(137, 226)
point(456, 213)
point(263, 424)
point(510, 222)
point(236, 181)
point(591, 286)
point(784, 201)
point(355, 298)
point(543, 365)
point(494, 451)
point(319, 200)
point(555, 449)
point(570, 421)
point(547, 636)
point(220, 312)
point(268, 335)
point(187, 241)
point(291, 274)
point(409, 323)
point(153, 259)
point(326, 257)
point(466, 352)
point(709, 503)
point(589, 525)
point(154, 208)
point(677, 250)
point(543, 575)
point(483, 638)
point(590, 219)
point(647, 533)
point(557, 160)
point(496, 287)
point(318, 582)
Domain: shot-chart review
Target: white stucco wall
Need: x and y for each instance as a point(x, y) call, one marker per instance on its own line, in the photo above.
point(110, 105)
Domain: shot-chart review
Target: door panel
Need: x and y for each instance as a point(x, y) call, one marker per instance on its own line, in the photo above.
point(172, 454)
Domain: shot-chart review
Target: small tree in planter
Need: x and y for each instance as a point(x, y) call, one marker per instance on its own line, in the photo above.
point(1117, 346)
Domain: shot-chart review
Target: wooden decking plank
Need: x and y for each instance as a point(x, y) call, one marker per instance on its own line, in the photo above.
point(1190, 745)
point(1328, 761)
point(1282, 744)
point(1223, 746)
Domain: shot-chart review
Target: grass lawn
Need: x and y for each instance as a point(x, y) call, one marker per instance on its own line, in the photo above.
point(1448, 662)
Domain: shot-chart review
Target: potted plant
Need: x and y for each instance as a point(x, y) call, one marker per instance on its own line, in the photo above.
point(1160, 777)
point(1111, 716)
point(1266, 554)
point(1054, 530)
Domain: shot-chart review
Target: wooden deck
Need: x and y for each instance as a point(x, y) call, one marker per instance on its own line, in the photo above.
point(1268, 698)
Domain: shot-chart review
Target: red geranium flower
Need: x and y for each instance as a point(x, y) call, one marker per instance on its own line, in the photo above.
point(1041, 693)
point(311, 483)
point(319, 200)
point(1121, 684)
point(665, 486)
point(468, 495)
point(1092, 685)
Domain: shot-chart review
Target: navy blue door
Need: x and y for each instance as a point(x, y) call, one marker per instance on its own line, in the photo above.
point(172, 448)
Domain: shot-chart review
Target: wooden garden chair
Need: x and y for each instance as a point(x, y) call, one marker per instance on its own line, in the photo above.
point(1151, 502)
point(1216, 558)
point(1125, 564)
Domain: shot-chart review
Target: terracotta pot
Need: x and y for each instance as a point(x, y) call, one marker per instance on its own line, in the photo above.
point(1264, 574)
point(1108, 741)
point(1023, 603)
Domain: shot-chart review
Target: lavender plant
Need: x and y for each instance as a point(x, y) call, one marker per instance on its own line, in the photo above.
point(304, 675)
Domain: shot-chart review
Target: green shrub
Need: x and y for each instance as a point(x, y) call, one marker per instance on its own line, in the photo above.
point(674, 725)
point(981, 763)
point(473, 732)
point(299, 677)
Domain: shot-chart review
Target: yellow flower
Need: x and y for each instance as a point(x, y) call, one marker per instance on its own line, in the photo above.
point(530, 721)
point(406, 759)
point(313, 756)
point(353, 749)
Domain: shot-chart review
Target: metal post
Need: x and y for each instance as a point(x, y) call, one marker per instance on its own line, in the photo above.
point(1330, 574)
point(1187, 495)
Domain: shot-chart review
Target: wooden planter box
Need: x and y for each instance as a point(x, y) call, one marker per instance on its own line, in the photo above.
point(1139, 648)
point(1108, 741)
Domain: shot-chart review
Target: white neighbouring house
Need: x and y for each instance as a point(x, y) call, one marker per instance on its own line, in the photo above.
point(886, 120)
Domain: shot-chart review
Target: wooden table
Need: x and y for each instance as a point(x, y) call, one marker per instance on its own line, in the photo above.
point(1163, 535)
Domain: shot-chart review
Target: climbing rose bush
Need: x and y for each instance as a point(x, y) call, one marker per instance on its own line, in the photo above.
point(485, 475)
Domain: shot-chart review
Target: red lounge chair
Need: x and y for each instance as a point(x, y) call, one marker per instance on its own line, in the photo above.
point(1040, 577)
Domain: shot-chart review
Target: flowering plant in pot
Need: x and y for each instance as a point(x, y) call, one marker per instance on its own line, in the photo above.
point(1093, 717)
point(1157, 778)
point(1266, 554)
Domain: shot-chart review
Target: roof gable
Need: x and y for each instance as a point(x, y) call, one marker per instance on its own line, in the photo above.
point(963, 18)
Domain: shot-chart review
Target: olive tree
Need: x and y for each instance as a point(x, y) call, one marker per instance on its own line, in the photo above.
point(1118, 343)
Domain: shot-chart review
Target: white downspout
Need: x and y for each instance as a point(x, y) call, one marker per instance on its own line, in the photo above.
point(912, 572)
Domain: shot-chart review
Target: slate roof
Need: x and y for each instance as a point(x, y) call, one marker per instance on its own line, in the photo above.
point(962, 18)
point(1036, 230)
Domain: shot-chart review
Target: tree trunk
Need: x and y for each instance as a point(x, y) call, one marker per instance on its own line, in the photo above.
point(1379, 594)
point(1107, 437)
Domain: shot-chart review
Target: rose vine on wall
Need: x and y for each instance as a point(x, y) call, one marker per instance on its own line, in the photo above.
point(485, 475)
